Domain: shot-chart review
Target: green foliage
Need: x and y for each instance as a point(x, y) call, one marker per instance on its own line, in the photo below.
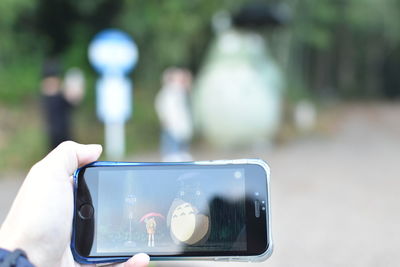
point(10, 10)
point(314, 21)
point(19, 80)
point(176, 32)
point(22, 142)
point(167, 32)
point(339, 44)
point(370, 17)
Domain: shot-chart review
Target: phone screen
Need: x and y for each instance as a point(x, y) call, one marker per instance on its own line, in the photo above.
point(172, 210)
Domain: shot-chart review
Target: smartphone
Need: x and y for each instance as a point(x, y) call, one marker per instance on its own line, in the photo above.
point(205, 210)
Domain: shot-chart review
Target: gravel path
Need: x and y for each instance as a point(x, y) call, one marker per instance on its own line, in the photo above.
point(335, 195)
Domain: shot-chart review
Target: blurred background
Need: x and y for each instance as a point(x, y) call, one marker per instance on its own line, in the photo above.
point(311, 87)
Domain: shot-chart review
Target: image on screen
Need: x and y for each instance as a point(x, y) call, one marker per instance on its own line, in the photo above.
point(170, 210)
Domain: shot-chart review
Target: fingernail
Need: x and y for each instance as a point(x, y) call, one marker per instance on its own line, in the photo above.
point(140, 260)
point(95, 147)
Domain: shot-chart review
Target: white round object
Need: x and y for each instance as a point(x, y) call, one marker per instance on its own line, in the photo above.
point(239, 92)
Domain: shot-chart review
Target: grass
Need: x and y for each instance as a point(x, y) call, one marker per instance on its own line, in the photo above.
point(23, 138)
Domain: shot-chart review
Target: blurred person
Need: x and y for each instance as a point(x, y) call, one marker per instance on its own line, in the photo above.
point(172, 107)
point(58, 99)
point(74, 86)
point(38, 226)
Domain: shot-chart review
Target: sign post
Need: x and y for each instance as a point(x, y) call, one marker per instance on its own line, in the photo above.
point(113, 54)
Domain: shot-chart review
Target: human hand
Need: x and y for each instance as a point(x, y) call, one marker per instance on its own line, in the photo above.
point(40, 219)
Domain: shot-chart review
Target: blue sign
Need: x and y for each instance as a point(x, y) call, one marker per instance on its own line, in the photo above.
point(113, 52)
point(114, 99)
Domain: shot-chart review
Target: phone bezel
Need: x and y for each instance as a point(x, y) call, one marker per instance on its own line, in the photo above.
point(259, 255)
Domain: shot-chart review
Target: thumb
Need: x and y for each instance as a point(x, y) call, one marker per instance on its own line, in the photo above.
point(139, 260)
point(68, 156)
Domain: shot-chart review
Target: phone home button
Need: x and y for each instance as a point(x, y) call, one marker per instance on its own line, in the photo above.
point(86, 211)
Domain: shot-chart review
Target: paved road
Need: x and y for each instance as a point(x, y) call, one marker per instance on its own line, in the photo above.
point(335, 195)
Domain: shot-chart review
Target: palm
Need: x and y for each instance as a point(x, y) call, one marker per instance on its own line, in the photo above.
point(46, 200)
